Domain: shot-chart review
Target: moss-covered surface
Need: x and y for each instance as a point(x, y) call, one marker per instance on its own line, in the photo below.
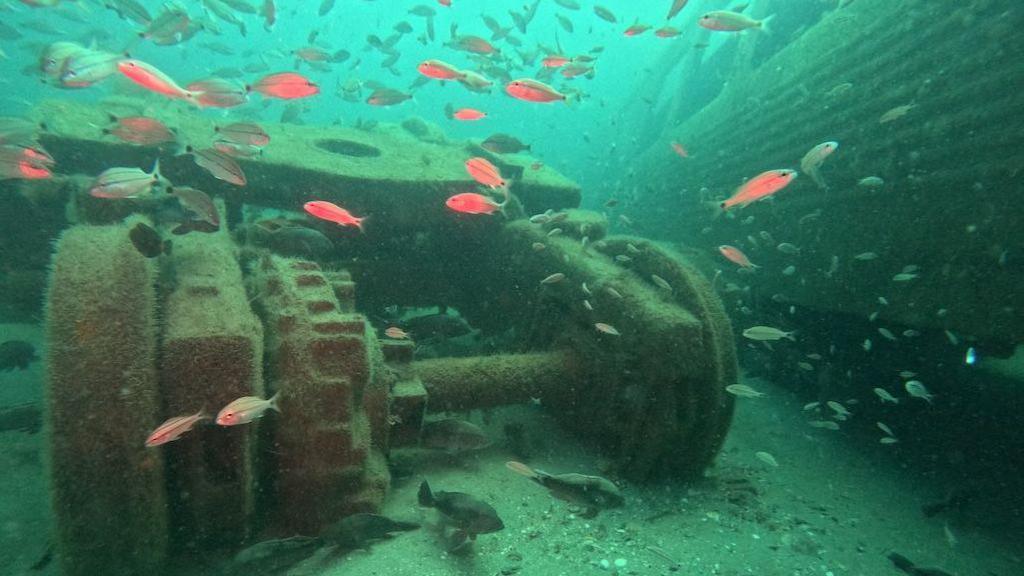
point(383, 172)
point(325, 365)
point(211, 354)
point(102, 400)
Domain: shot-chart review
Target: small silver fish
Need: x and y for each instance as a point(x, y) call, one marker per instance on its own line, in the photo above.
point(246, 409)
point(125, 182)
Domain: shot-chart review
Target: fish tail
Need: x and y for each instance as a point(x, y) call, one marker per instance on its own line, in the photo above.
point(359, 223)
point(156, 170)
point(763, 24)
point(717, 208)
point(425, 497)
point(508, 195)
point(273, 402)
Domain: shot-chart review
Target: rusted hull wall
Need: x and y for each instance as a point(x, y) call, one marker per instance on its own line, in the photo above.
point(950, 202)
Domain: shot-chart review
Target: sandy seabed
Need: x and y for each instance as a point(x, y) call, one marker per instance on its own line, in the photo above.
point(834, 505)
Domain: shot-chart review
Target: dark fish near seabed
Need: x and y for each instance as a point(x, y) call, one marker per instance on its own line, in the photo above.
point(453, 436)
point(16, 354)
point(21, 418)
point(359, 530)
point(148, 241)
point(273, 556)
point(442, 325)
point(504, 144)
point(289, 238)
point(592, 492)
point(469, 514)
point(904, 564)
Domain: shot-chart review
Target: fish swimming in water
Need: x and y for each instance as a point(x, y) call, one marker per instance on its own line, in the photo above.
point(904, 564)
point(148, 241)
point(471, 516)
point(16, 354)
point(246, 409)
point(359, 530)
point(594, 493)
point(453, 436)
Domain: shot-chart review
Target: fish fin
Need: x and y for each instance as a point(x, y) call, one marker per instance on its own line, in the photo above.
point(763, 26)
point(790, 336)
point(155, 172)
point(508, 196)
point(272, 403)
point(425, 497)
point(359, 222)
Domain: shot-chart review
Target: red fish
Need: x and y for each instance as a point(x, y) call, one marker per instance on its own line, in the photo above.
point(666, 32)
point(140, 130)
point(736, 256)
point(761, 186)
point(285, 85)
point(218, 93)
point(534, 91)
point(173, 428)
point(23, 170)
point(474, 44)
point(555, 61)
point(468, 114)
point(245, 410)
point(473, 203)
point(636, 29)
point(485, 173)
point(439, 70)
point(150, 78)
point(445, 3)
point(333, 213)
point(680, 150)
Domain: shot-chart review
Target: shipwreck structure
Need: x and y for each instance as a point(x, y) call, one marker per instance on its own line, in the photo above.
point(226, 314)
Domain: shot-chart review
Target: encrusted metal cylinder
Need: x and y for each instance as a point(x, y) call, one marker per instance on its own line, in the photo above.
point(456, 384)
point(102, 400)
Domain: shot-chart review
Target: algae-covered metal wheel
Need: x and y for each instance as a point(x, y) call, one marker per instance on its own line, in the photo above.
point(637, 349)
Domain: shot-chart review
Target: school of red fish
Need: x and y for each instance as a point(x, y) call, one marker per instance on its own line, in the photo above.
point(70, 65)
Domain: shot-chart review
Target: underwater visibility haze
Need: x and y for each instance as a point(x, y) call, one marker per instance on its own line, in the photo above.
point(538, 287)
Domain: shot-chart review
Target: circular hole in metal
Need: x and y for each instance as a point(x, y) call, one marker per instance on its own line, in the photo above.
point(348, 148)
